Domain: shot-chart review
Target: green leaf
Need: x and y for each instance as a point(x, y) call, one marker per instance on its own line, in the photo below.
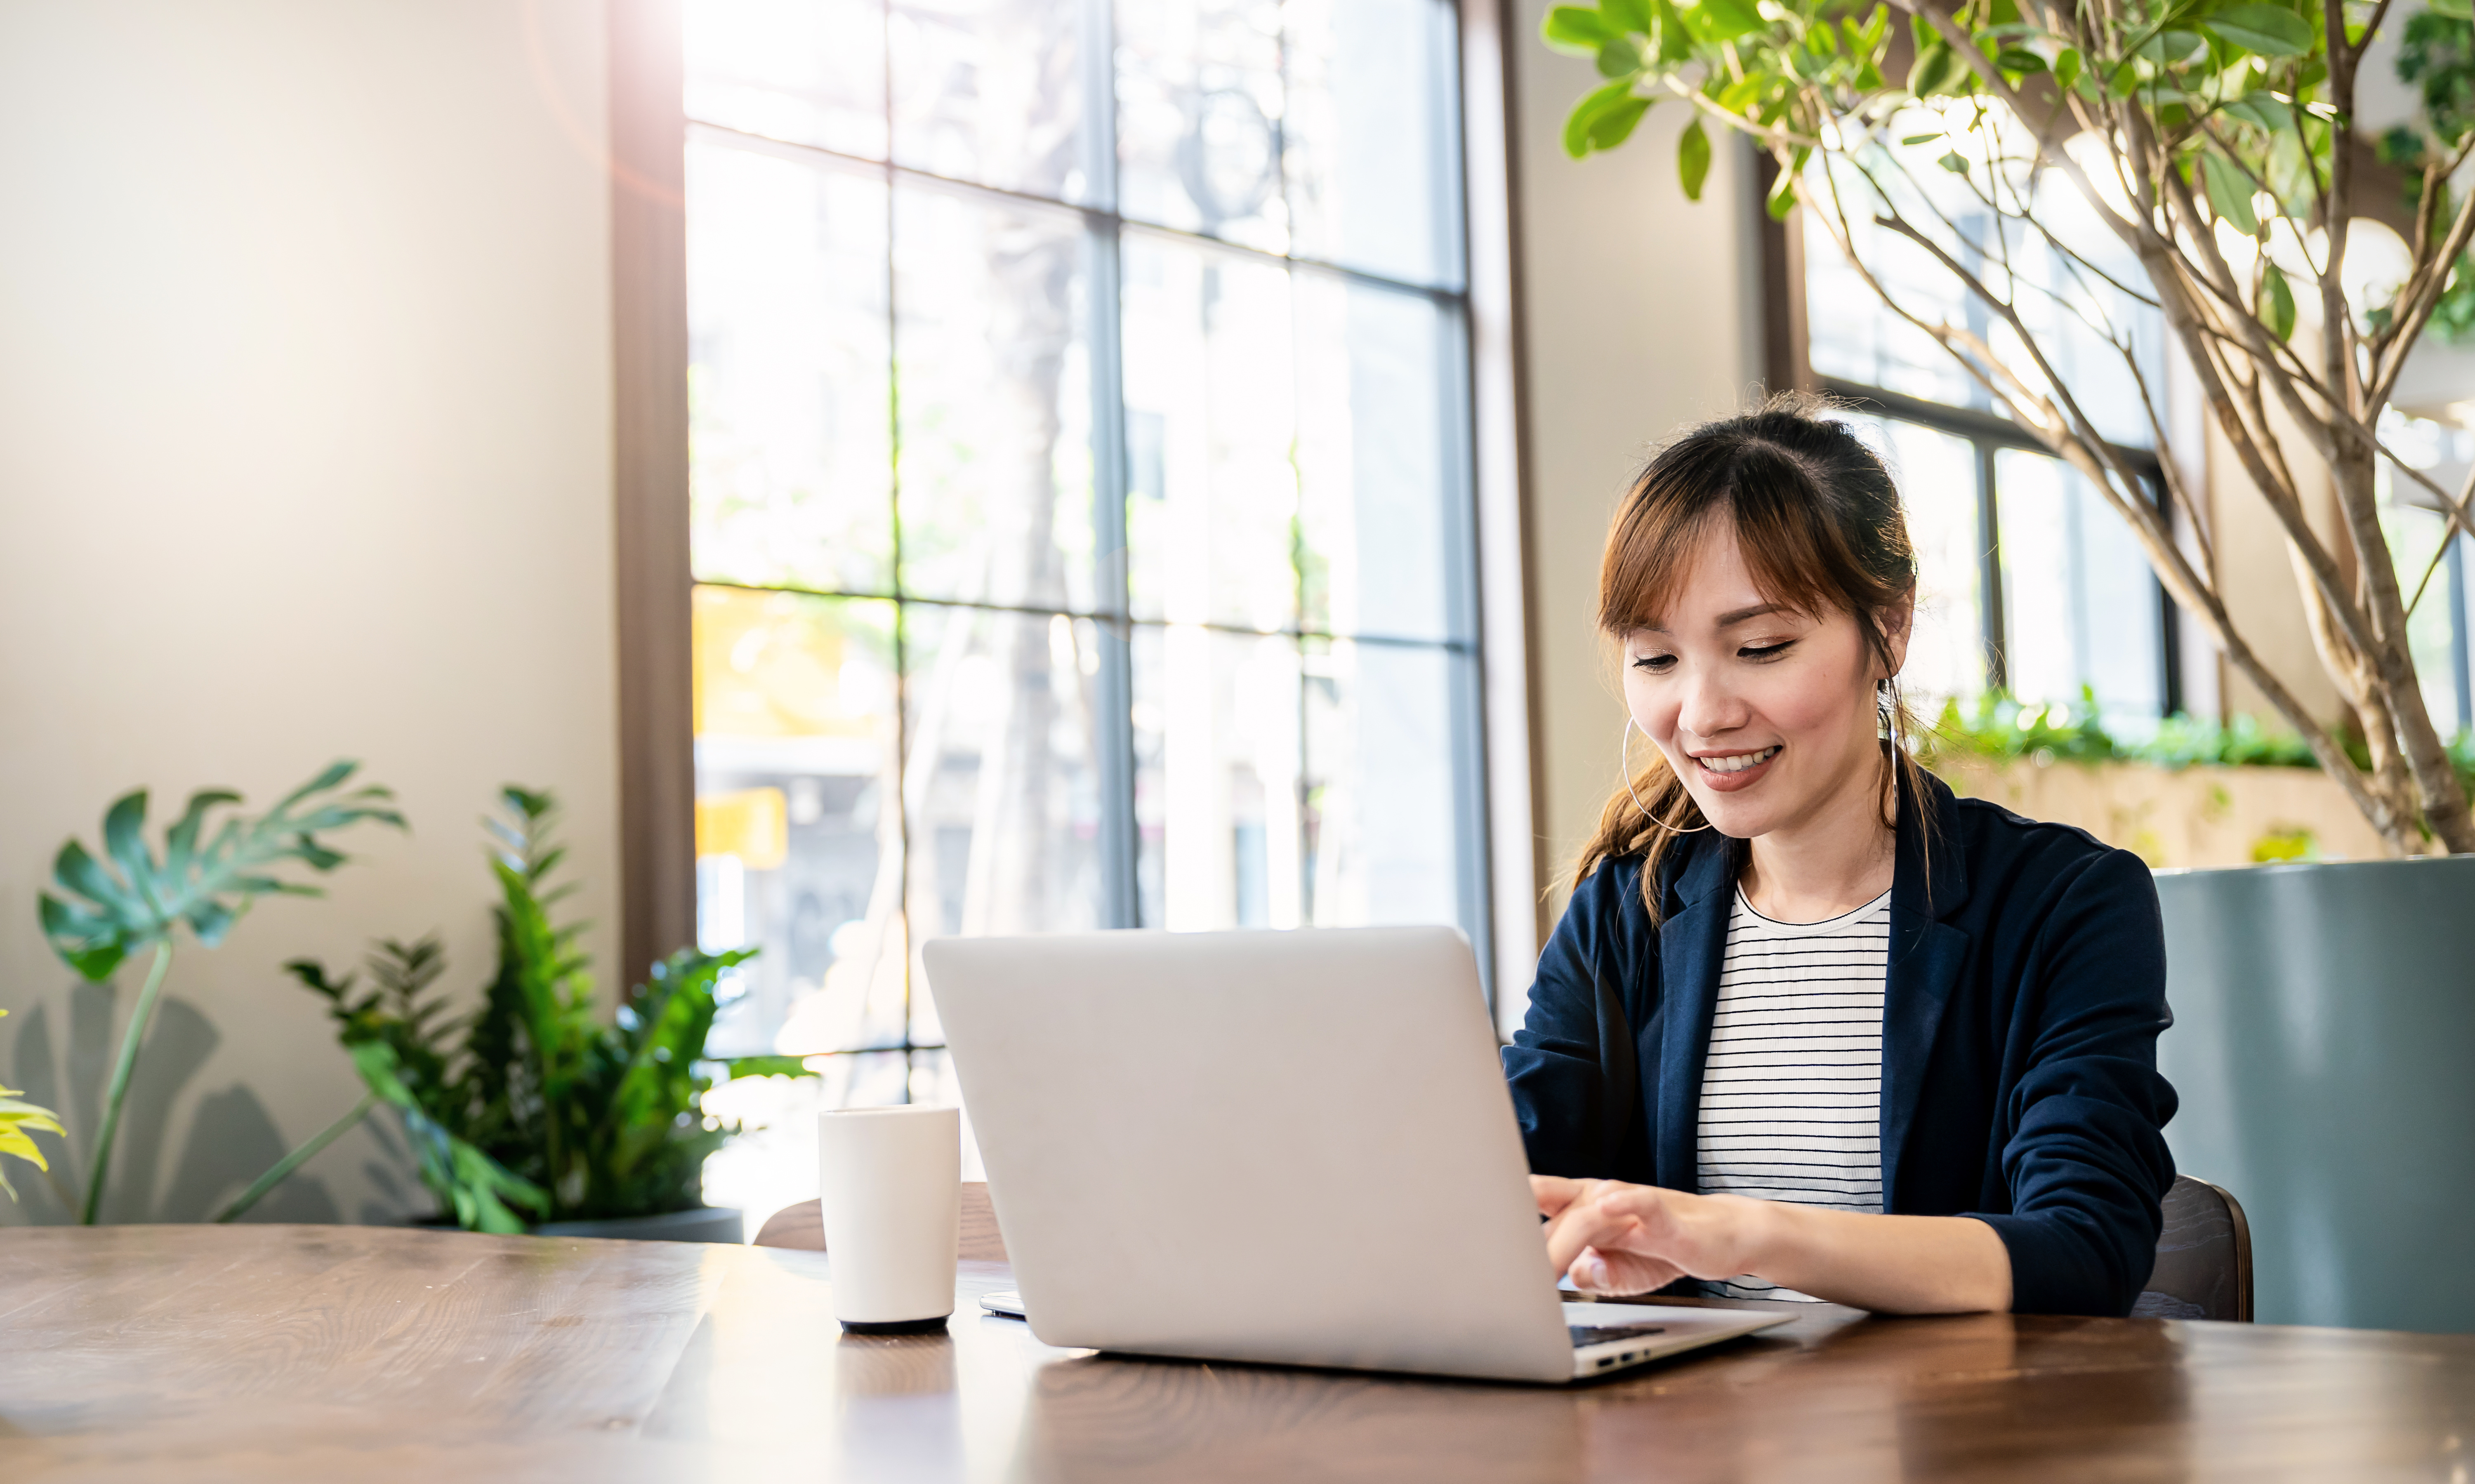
point(1724, 20)
point(1626, 15)
point(336, 772)
point(2229, 193)
point(1738, 95)
point(180, 841)
point(1919, 138)
point(2169, 48)
point(1613, 126)
point(1674, 37)
point(2265, 28)
point(1585, 113)
point(1938, 70)
point(2455, 9)
point(2067, 68)
point(1954, 163)
point(1621, 58)
point(2261, 109)
point(84, 942)
point(209, 920)
point(2018, 61)
point(78, 871)
point(207, 887)
point(124, 836)
point(1693, 159)
point(2276, 302)
point(768, 1066)
point(1573, 28)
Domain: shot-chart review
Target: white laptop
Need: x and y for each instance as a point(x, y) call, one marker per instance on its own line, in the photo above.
point(1293, 1147)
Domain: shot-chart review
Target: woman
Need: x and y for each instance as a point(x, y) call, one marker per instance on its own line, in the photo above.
point(1811, 1026)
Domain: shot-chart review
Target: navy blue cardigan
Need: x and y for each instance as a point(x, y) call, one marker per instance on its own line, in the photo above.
point(2020, 1020)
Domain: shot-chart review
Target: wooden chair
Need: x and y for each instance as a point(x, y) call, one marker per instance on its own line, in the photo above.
point(803, 1227)
point(2203, 1258)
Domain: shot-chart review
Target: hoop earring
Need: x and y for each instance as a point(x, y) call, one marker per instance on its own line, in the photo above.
point(1624, 754)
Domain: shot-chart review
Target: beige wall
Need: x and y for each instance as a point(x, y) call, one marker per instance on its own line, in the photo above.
point(305, 367)
point(1641, 311)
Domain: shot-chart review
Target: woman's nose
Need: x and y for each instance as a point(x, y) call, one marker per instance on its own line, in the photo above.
point(1710, 706)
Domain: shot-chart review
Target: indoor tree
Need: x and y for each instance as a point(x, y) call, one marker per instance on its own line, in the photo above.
point(2060, 170)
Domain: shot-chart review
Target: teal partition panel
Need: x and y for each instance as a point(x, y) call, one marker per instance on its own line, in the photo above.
point(2324, 1049)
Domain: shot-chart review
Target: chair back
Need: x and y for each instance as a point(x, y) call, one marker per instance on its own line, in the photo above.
point(2203, 1258)
point(803, 1227)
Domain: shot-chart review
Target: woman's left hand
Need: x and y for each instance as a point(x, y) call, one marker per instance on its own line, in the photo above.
point(1615, 1238)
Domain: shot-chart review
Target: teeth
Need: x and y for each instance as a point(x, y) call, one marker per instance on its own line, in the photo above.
point(1740, 762)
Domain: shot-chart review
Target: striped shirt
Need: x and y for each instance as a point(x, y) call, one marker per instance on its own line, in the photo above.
point(1792, 1091)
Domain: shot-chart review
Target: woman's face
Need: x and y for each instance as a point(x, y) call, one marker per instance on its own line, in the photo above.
point(1767, 714)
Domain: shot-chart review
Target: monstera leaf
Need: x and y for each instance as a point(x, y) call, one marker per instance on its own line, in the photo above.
point(105, 912)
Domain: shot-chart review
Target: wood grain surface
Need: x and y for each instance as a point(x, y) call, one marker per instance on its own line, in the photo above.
point(280, 1353)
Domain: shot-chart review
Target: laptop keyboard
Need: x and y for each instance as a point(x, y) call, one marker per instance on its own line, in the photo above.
point(1600, 1334)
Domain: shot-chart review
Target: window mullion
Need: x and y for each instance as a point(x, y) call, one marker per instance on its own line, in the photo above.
point(1112, 704)
point(1113, 721)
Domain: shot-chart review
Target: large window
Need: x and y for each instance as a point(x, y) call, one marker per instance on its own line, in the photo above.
point(2030, 584)
point(1080, 488)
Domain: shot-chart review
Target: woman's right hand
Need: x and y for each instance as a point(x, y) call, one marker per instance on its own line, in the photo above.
point(1577, 1226)
point(1617, 1238)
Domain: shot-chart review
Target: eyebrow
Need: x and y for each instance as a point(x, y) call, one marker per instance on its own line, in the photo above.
point(1731, 617)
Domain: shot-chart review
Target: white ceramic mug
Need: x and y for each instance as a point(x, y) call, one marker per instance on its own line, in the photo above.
point(892, 1185)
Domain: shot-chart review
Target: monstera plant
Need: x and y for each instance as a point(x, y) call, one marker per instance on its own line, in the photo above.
point(2029, 182)
point(214, 865)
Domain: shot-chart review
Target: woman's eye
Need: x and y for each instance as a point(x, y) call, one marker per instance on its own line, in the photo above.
point(1765, 651)
point(1655, 663)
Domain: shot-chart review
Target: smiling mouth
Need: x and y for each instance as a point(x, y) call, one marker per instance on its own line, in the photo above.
point(1739, 762)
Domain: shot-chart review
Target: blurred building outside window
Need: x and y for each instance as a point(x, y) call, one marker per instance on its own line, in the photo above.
point(1080, 498)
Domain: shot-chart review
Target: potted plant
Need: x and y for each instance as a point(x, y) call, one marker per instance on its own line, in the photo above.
point(535, 1112)
point(2200, 160)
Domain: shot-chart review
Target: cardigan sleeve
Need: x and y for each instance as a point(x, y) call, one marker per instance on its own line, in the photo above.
point(2086, 1160)
point(1572, 1066)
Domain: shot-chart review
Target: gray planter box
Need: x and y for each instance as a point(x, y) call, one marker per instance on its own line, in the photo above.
point(703, 1224)
point(2324, 1048)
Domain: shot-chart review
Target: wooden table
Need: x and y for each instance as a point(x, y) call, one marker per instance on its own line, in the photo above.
point(276, 1353)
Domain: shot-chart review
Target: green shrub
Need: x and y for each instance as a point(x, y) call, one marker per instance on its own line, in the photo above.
point(2000, 727)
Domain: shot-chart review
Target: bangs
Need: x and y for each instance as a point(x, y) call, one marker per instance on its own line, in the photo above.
point(1759, 494)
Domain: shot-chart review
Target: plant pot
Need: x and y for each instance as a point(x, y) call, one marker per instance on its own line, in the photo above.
point(2323, 1041)
point(698, 1223)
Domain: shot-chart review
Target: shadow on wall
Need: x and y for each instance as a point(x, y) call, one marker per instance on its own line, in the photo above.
point(230, 1141)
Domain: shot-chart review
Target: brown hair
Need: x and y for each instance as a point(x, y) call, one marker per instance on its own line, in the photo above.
point(1821, 526)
